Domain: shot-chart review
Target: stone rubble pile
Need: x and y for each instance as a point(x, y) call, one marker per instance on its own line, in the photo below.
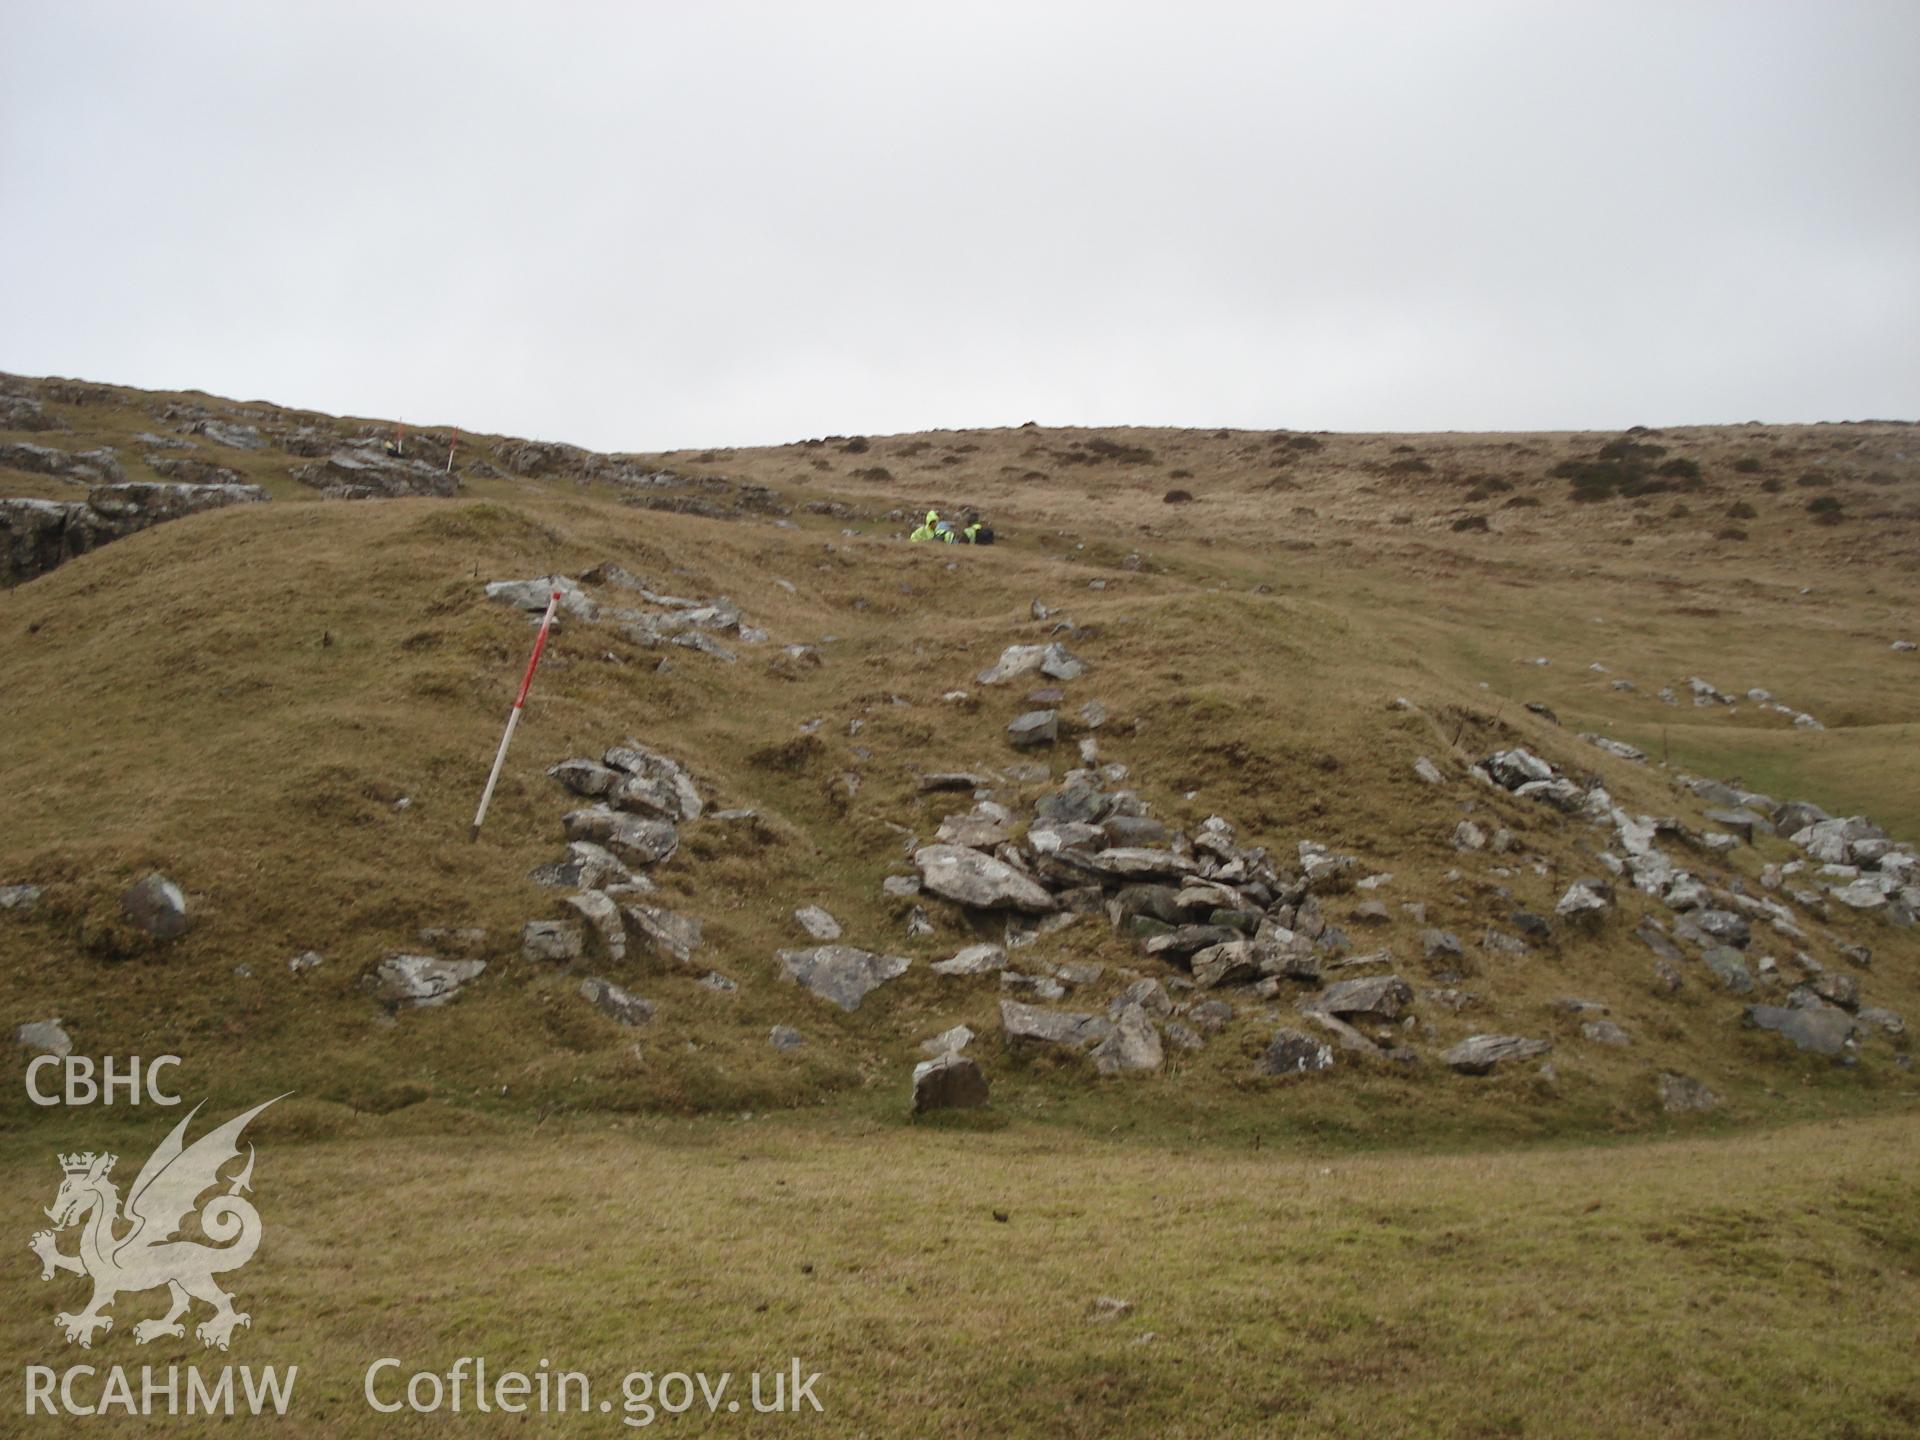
point(691, 624)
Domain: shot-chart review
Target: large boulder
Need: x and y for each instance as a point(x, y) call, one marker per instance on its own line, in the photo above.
point(840, 973)
point(977, 880)
point(948, 1082)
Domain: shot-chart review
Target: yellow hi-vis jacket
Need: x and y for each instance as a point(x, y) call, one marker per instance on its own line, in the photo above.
point(929, 528)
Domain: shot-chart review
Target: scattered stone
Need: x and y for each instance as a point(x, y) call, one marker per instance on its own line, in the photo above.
point(19, 897)
point(1030, 1026)
point(1729, 967)
point(948, 1082)
point(587, 867)
point(1036, 727)
point(421, 981)
point(1441, 945)
point(1824, 1031)
point(635, 839)
point(1107, 1308)
point(1479, 1054)
point(1615, 747)
point(1428, 771)
point(46, 1036)
point(1054, 661)
point(901, 887)
point(817, 922)
point(305, 961)
point(1292, 1053)
point(1383, 997)
point(532, 595)
point(559, 941)
point(1131, 1043)
point(603, 920)
point(1837, 988)
point(1585, 901)
point(974, 960)
point(979, 881)
point(671, 935)
point(1683, 1095)
point(1880, 1018)
point(157, 906)
point(948, 1042)
point(624, 1009)
point(785, 1037)
point(1469, 836)
point(1605, 1032)
point(840, 973)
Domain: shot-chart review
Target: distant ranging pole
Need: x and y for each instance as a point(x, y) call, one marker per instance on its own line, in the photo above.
point(451, 444)
point(513, 717)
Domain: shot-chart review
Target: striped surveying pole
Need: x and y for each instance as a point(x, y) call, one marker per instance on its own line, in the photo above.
point(513, 717)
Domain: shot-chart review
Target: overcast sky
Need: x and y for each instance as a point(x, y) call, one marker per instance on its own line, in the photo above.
point(643, 226)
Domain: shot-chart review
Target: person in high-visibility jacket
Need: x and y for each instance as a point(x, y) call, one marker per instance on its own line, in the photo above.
point(928, 528)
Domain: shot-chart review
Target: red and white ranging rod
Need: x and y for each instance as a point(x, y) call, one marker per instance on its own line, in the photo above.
point(513, 717)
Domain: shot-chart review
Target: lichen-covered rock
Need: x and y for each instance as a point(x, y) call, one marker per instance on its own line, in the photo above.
point(841, 974)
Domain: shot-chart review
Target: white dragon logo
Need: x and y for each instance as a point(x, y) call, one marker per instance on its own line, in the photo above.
point(147, 1255)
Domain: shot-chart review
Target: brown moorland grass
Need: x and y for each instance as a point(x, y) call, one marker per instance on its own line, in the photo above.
point(1755, 1285)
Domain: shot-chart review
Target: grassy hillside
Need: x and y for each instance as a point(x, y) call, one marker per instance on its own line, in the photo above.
point(290, 707)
